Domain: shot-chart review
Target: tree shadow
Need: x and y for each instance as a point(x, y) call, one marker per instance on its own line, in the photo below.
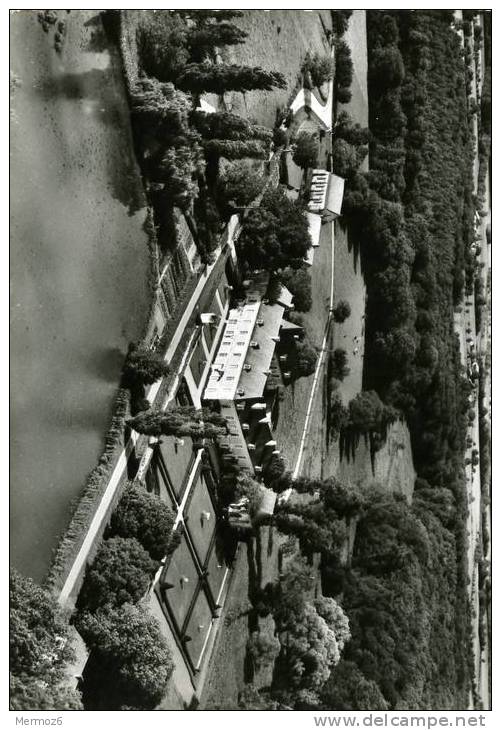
point(100, 94)
point(106, 364)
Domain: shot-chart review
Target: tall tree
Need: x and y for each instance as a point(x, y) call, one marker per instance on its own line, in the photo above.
point(147, 518)
point(180, 421)
point(143, 366)
point(131, 663)
point(120, 573)
point(306, 149)
point(218, 78)
point(238, 185)
point(40, 648)
point(205, 37)
point(235, 149)
point(224, 125)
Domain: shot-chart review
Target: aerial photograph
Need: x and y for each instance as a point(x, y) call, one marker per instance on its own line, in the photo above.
point(250, 361)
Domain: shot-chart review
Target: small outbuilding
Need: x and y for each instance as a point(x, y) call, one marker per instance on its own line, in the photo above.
point(326, 194)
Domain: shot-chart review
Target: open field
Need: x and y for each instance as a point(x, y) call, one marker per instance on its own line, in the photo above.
point(356, 38)
point(293, 407)
point(278, 41)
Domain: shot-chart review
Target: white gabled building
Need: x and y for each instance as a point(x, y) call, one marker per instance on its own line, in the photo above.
point(326, 194)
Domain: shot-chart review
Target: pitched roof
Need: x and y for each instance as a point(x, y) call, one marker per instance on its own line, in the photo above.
point(253, 380)
point(240, 365)
point(285, 297)
point(335, 192)
point(314, 226)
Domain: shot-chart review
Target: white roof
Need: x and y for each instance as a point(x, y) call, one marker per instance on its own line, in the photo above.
point(314, 225)
point(326, 192)
point(285, 297)
point(256, 323)
point(335, 193)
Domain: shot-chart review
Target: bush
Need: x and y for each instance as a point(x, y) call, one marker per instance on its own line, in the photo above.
point(162, 50)
point(145, 517)
point(340, 21)
point(274, 469)
point(342, 311)
point(121, 573)
point(344, 64)
point(345, 158)
point(306, 359)
point(263, 649)
point(343, 95)
point(306, 149)
point(280, 137)
point(131, 663)
point(320, 68)
point(369, 414)
point(34, 693)
point(338, 414)
point(143, 366)
point(339, 360)
point(298, 282)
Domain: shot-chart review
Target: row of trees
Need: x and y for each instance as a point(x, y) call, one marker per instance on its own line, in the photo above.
point(181, 146)
point(311, 632)
point(130, 663)
point(180, 421)
point(412, 215)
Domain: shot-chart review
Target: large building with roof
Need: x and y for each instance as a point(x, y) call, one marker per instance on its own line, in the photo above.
point(245, 378)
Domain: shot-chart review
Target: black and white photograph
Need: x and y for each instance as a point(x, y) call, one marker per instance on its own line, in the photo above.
point(250, 364)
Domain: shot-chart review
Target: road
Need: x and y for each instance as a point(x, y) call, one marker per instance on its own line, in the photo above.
point(463, 321)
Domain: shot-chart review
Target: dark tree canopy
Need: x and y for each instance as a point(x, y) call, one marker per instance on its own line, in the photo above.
point(218, 78)
point(238, 186)
point(369, 414)
point(39, 649)
point(120, 573)
point(180, 421)
point(143, 366)
point(147, 518)
point(306, 359)
point(306, 149)
point(342, 311)
point(276, 234)
point(298, 282)
point(348, 689)
point(131, 662)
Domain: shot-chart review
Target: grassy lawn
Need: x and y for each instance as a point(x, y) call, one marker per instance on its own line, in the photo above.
point(177, 458)
point(201, 530)
point(226, 676)
point(349, 285)
point(181, 566)
point(292, 412)
point(278, 41)
point(198, 626)
point(356, 38)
